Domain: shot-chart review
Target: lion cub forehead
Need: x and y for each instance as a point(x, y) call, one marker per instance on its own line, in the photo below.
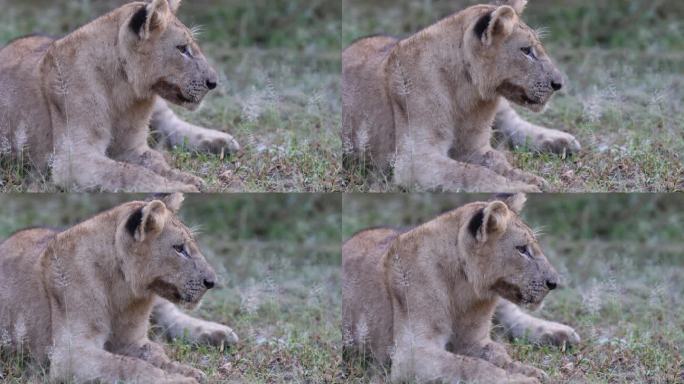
point(518, 224)
point(176, 222)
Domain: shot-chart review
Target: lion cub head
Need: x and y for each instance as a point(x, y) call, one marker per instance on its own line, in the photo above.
point(161, 56)
point(503, 256)
point(512, 60)
point(159, 254)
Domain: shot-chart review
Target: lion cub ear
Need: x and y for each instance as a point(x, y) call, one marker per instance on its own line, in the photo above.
point(517, 5)
point(174, 5)
point(496, 26)
point(490, 222)
point(514, 201)
point(147, 222)
point(173, 201)
point(154, 17)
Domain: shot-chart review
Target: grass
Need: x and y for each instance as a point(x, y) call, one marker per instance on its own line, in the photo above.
point(278, 258)
point(622, 261)
point(278, 95)
point(624, 67)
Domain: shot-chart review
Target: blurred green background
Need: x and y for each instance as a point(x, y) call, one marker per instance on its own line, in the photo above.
point(624, 66)
point(278, 261)
point(296, 24)
point(278, 96)
point(645, 25)
point(622, 261)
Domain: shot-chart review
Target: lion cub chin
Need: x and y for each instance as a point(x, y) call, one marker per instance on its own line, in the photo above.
point(424, 299)
point(82, 297)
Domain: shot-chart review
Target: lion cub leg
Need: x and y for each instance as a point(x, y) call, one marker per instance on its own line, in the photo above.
point(176, 324)
point(80, 361)
point(432, 363)
point(518, 324)
point(154, 161)
point(437, 172)
point(496, 161)
point(519, 132)
point(154, 354)
point(94, 170)
point(496, 354)
point(176, 132)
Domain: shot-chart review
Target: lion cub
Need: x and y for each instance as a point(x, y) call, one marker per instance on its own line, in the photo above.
point(80, 106)
point(424, 299)
point(423, 106)
point(82, 298)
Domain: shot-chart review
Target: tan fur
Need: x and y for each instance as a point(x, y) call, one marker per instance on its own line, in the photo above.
point(519, 325)
point(424, 299)
point(520, 133)
point(424, 106)
point(81, 105)
point(82, 297)
point(173, 131)
point(175, 324)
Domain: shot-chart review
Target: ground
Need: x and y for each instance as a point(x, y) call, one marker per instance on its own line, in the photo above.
point(624, 65)
point(622, 262)
point(278, 96)
point(278, 259)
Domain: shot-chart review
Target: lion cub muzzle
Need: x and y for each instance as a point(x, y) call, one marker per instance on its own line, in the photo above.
point(200, 278)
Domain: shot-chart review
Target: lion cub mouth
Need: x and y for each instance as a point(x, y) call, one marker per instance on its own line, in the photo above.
point(527, 100)
point(518, 95)
point(172, 293)
point(174, 94)
point(515, 294)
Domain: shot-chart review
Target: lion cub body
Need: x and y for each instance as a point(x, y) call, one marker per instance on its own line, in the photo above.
point(424, 299)
point(80, 106)
point(423, 106)
point(82, 297)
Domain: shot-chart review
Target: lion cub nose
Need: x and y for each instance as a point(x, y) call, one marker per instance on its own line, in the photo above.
point(551, 284)
point(556, 85)
point(209, 284)
point(211, 84)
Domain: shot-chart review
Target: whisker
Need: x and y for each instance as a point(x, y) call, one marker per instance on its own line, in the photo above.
point(538, 231)
point(542, 32)
point(196, 31)
point(195, 230)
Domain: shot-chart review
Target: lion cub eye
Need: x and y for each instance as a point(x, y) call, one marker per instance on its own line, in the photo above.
point(524, 250)
point(180, 249)
point(528, 51)
point(184, 49)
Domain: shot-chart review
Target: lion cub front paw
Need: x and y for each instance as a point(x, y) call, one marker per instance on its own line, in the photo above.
point(554, 141)
point(188, 179)
point(528, 370)
point(535, 180)
point(519, 186)
point(537, 183)
point(191, 372)
point(216, 334)
point(178, 379)
point(521, 379)
point(556, 334)
point(171, 186)
point(217, 142)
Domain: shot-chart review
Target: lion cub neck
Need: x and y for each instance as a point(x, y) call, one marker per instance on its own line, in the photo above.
point(426, 254)
point(85, 251)
point(437, 57)
point(99, 61)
